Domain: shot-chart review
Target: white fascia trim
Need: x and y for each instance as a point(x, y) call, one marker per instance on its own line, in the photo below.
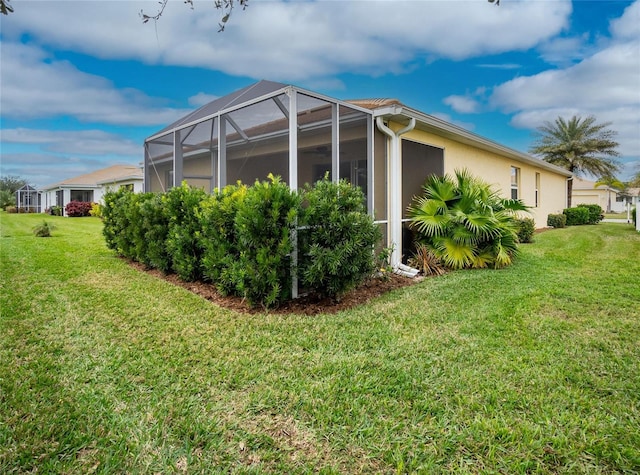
point(469, 137)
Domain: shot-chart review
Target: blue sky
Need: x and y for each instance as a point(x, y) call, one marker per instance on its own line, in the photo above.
point(84, 82)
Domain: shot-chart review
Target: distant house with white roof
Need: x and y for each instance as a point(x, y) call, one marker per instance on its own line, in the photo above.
point(92, 186)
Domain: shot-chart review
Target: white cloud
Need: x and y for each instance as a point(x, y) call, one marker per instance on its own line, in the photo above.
point(81, 142)
point(34, 85)
point(604, 84)
point(42, 169)
point(462, 104)
point(293, 40)
point(628, 25)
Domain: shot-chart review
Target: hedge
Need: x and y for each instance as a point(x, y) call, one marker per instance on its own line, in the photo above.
point(242, 239)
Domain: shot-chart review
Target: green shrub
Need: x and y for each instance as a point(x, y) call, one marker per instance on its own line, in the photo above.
point(263, 226)
point(155, 228)
point(576, 216)
point(96, 210)
point(338, 238)
point(634, 215)
point(596, 213)
point(219, 242)
point(465, 222)
point(182, 204)
point(6, 199)
point(118, 224)
point(557, 220)
point(526, 228)
point(55, 211)
point(44, 229)
point(11, 209)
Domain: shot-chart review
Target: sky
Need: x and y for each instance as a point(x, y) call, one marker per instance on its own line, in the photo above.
point(83, 83)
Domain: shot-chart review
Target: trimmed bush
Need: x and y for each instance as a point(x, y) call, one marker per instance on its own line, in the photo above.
point(336, 246)
point(155, 223)
point(596, 213)
point(78, 209)
point(263, 226)
point(576, 216)
point(526, 228)
point(634, 215)
point(241, 239)
point(557, 220)
point(219, 242)
point(182, 204)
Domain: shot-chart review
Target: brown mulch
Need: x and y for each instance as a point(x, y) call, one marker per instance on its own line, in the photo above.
point(306, 305)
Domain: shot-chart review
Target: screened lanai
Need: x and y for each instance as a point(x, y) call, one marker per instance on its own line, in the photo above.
point(252, 132)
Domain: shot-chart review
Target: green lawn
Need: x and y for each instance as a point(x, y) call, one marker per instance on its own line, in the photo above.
point(530, 369)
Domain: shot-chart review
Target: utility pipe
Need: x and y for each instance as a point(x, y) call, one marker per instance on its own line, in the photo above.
point(395, 188)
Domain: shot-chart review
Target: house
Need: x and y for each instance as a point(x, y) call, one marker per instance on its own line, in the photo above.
point(381, 145)
point(92, 186)
point(608, 198)
point(28, 199)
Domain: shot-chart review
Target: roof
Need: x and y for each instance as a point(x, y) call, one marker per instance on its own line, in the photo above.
point(582, 184)
point(392, 109)
point(241, 96)
point(110, 174)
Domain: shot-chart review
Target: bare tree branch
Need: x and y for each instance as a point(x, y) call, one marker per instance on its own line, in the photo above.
point(226, 6)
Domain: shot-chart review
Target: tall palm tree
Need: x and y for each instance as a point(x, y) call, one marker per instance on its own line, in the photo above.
point(579, 145)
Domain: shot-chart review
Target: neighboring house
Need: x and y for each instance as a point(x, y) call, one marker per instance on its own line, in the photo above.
point(92, 186)
point(381, 145)
point(28, 199)
point(586, 192)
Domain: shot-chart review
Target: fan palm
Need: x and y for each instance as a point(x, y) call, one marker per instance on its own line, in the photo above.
point(579, 145)
point(465, 222)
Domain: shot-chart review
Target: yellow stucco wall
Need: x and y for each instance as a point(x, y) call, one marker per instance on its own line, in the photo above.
point(495, 169)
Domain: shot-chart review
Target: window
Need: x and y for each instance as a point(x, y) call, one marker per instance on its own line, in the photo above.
point(537, 190)
point(515, 183)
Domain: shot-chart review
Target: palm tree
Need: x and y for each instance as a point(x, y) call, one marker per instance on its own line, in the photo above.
point(465, 223)
point(579, 145)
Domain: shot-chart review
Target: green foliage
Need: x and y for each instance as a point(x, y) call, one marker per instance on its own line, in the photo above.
point(96, 210)
point(6, 199)
point(579, 145)
point(182, 204)
point(55, 211)
point(154, 221)
point(596, 213)
point(583, 214)
point(465, 222)
point(43, 229)
point(240, 238)
point(263, 226)
point(557, 220)
point(219, 242)
point(11, 183)
point(118, 222)
point(11, 209)
point(336, 245)
point(526, 228)
point(634, 214)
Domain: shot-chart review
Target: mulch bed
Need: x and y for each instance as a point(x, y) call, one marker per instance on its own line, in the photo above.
point(306, 305)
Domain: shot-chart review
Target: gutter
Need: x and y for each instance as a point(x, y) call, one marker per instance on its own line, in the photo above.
point(395, 188)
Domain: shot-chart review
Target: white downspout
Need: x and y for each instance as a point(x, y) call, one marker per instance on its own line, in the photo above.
point(395, 188)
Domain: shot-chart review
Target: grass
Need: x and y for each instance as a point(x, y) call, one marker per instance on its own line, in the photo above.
point(530, 369)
